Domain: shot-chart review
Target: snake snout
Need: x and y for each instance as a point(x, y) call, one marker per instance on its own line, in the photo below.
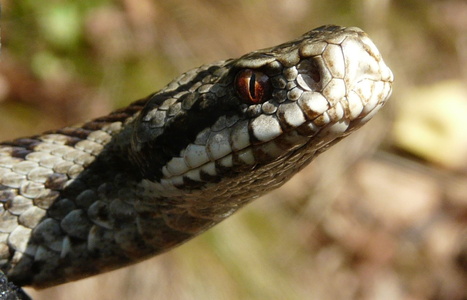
point(368, 79)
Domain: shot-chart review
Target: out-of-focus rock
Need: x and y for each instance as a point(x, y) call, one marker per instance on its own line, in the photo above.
point(431, 123)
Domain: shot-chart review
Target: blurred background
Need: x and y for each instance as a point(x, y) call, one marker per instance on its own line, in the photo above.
point(382, 215)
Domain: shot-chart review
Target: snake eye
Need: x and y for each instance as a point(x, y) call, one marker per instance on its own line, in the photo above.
point(253, 86)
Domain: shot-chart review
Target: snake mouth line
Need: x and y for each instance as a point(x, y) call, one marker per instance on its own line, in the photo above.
point(248, 158)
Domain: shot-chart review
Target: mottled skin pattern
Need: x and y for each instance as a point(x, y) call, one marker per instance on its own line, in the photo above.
point(87, 199)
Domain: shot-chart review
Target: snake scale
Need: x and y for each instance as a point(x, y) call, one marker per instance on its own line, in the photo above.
point(86, 199)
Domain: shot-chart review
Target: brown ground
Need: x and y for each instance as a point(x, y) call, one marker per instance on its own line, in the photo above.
point(381, 216)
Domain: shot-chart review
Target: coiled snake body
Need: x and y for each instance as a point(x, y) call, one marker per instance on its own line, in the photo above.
point(86, 199)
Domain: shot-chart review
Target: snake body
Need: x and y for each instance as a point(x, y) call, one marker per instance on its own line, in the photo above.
point(86, 199)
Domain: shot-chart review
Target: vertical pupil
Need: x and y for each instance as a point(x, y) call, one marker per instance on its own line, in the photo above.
point(252, 86)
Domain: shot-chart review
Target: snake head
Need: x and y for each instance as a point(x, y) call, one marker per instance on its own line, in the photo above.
point(262, 117)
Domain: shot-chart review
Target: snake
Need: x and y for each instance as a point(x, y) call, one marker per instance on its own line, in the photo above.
point(97, 196)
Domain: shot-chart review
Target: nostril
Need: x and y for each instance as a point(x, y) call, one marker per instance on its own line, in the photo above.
point(309, 75)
